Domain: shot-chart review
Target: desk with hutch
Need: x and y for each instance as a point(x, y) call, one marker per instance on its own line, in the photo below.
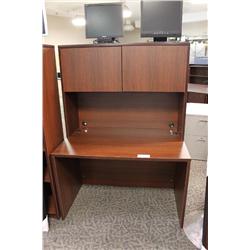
point(125, 116)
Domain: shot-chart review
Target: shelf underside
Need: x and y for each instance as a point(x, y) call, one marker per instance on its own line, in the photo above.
point(121, 143)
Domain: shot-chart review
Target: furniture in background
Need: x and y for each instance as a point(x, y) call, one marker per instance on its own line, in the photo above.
point(124, 111)
point(52, 129)
point(197, 93)
point(198, 83)
point(196, 132)
point(198, 73)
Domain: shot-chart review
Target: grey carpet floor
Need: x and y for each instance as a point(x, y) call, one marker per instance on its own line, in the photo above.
point(108, 218)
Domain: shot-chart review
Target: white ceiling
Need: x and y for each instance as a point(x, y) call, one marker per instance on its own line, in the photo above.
point(70, 8)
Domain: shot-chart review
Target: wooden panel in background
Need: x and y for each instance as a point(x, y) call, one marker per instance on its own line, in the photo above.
point(129, 110)
point(155, 68)
point(90, 69)
point(128, 173)
point(198, 69)
point(198, 74)
point(197, 97)
point(52, 123)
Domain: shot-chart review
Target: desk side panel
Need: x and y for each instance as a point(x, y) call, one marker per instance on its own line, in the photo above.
point(68, 182)
point(52, 123)
point(180, 188)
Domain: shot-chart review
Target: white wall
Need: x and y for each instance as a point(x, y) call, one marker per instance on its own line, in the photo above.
point(132, 37)
point(61, 31)
point(188, 29)
point(195, 28)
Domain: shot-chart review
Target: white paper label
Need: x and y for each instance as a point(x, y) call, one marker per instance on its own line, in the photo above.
point(143, 156)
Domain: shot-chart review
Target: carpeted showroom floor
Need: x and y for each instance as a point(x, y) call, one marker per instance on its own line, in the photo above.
point(112, 218)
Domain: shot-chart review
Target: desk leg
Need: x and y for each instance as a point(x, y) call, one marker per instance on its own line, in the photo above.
point(181, 187)
point(68, 182)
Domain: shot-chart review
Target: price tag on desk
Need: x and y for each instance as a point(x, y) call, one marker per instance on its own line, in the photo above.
point(143, 156)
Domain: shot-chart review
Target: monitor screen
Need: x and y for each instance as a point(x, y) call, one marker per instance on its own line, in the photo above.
point(104, 20)
point(161, 18)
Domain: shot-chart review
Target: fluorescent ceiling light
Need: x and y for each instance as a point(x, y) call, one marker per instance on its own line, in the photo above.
point(126, 12)
point(79, 21)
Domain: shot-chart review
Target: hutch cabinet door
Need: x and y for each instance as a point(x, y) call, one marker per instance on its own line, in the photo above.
point(155, 68)
point(90, 69)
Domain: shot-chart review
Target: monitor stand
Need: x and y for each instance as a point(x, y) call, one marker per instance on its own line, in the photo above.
point(101, 40)
point(160, 39)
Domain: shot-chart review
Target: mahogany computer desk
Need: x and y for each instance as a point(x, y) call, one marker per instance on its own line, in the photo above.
point(124, 110)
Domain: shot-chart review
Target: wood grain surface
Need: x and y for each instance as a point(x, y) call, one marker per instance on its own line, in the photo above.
point(116, 144)
point(52, 123)
point(68, 182)
point(128, 173)
point(155, 68)
point(129, 110)
point(91, 69)
point(180, 188)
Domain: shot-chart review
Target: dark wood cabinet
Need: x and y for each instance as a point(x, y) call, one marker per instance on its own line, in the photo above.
point(198, 73)
point(155, 68)
point(197, 97)
point(52, 128)
point(198, 83)
point(131, 138)
point(197, 93)
point(91, 69)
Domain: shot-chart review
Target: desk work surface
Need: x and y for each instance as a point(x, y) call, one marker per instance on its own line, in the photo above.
point(114, 143)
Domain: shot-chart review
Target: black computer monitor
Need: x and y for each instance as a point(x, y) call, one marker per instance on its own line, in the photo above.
point(161, 19)
point(104, 21)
